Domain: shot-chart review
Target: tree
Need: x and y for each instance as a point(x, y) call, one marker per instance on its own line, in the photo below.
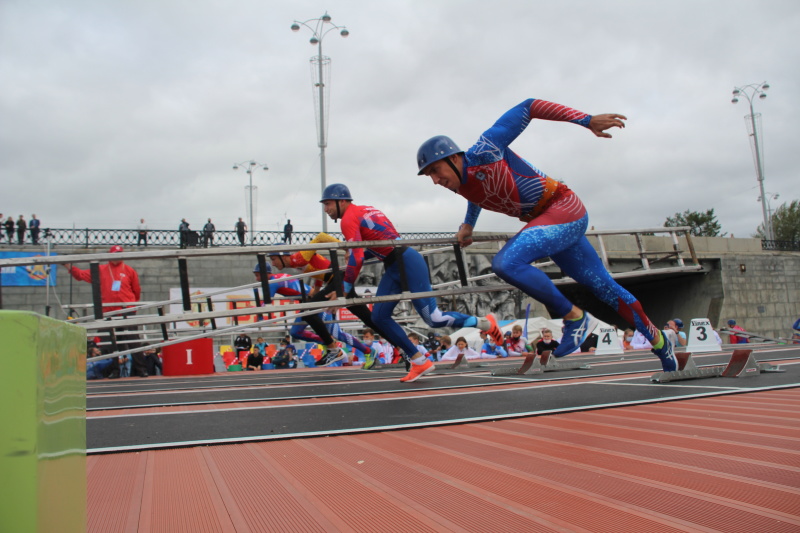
point(702, 224)
point(785, 223)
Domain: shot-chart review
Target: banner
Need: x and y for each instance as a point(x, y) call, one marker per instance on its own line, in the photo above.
point(26, 276)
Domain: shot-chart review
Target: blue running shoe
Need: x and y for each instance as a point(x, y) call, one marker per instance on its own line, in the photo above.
point(574, 333)
point(667, 355)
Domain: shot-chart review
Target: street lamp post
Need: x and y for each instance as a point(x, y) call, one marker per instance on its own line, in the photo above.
point(322, 64)
point(749, 92)
point(249, 166)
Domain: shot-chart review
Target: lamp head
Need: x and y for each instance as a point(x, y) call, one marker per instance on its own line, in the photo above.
point(765, 86)
point(326, 17)
point(735, 100)
point(762, 96)
point(235, 167)
point(344, 32)
point(295, 27)
point(313, 40)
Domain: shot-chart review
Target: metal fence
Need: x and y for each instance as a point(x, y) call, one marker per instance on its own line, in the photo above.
point(89, 237)
point(780, 246)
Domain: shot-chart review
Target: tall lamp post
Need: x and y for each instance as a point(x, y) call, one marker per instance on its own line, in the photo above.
point(750, 92)
point(320, 75)
point(248, 167)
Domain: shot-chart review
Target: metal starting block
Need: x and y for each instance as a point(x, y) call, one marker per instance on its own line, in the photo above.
point(742, 364)
point(544, 364)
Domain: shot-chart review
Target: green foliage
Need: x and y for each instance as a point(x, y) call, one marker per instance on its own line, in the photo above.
point(702, 224)
point(785, 223)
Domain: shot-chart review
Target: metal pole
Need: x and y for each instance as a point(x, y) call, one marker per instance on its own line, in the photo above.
point(250, 172)
point(322, 143)
point(760, 175)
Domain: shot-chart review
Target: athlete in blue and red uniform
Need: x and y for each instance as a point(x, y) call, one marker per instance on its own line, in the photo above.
point(490, 176)
point(364, 223)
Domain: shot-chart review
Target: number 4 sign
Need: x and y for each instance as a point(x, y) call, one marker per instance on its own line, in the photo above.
point(701, 337)
point(608, 342)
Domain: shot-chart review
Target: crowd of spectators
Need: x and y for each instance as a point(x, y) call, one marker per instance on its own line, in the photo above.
point(21, 228)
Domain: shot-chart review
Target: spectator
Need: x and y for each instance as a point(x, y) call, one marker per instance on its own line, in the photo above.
point(547, 343)
point(141, 232)
point(516, 345)
point(286, 356)
point(9, 224)
point(490, 349)
point(242, 343)
point(208, 234)
point(627, 339)
point(460, 348)
point(22, 226)
point(152, 361)
point(478, 344)
point(640, 342)
point(34, 227)
point(125, 366)
point(256, 358)
point(371, 342)
point(287, 232)
point(261, 346)
point(433, 344)
point(240, 228)
point(445, 343)
point(733, 338)
point(119, 284)
point(183, 230)
point(590, 344)
point(414, 338)
point(674, 333)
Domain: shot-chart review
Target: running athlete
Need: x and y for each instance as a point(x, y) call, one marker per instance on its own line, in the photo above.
point(364, 223)
point(293, 289)
point(490, 176)
point(311, 261)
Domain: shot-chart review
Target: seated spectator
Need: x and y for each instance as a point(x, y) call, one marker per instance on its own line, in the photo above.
point(639, 342)
point(242, 343)
point(627, 339)
point(516, 344)
point(589, 345)
point(152, 361)
point(414, 338)
point(385, 352)
point(433, 344)
point(261, 347)
point(444, 345)
point(286, 357)
point(125, 366)
point(674, 333)
point(547, 343)
point(478, 344)
point(490, 350)
point(460, 348)
point(254, 360)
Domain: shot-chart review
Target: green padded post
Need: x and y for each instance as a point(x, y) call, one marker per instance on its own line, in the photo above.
point(42, 424)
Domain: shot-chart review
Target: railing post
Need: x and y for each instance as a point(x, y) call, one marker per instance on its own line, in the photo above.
point(676, 247)
point(262, 268)
point(97, 296)
point(640, 243)
point(183, 273)
point(462, 271)
point(603, 252)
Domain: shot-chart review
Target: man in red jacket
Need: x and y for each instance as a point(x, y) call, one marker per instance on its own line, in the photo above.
point(118, 283)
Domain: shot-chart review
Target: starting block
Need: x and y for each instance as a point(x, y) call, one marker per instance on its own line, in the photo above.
point(742, 364)
point(546, 363)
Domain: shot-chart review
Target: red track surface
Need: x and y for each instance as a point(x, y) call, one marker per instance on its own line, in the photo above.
point(728, 463)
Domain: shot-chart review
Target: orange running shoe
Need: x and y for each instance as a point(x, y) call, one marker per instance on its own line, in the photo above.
point(494, 330)
point(417, 371)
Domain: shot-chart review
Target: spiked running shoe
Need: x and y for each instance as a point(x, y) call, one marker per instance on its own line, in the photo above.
point(417, 371)
point(493, 330)
point(330, 357)
point(667, 355)
point(575, 333)
point(370, 360)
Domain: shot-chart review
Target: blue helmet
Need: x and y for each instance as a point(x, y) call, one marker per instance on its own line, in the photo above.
point(435, 149)
point(336, 191)
point(678, 322)
point(285, 252)
point(257, 270)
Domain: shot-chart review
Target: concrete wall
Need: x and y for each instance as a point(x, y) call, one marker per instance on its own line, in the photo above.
point(764, 298)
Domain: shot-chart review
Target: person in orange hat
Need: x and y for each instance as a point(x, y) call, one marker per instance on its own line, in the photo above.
point(119, 283)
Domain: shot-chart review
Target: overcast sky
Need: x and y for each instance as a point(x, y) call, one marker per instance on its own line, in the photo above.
point(115, 110)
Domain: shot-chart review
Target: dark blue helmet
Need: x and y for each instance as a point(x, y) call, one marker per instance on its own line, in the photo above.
point(435, 149)
point(285, 252)
point(269, 268)
point(336, 191)
point(678, 322)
